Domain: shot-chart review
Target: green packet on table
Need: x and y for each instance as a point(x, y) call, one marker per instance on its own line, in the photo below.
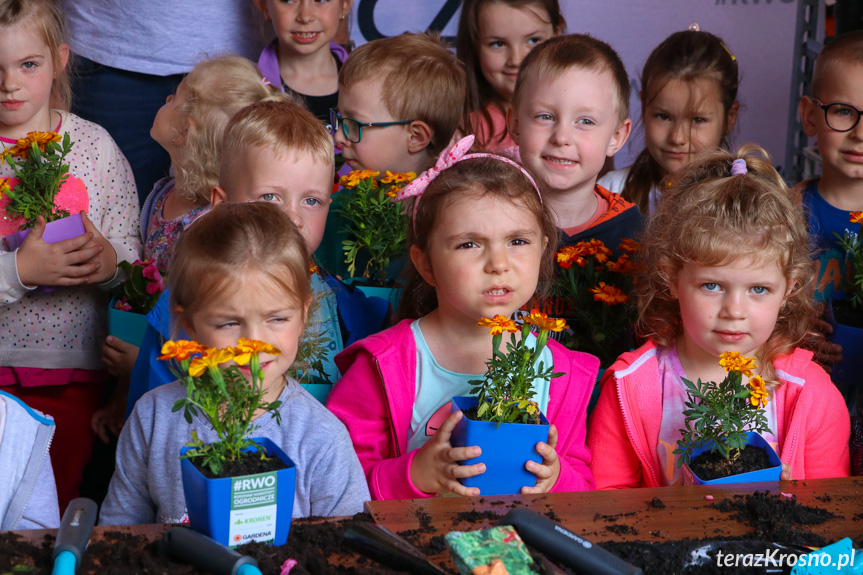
point(472, 549)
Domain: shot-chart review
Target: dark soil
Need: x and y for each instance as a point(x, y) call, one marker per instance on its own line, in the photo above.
point(711, 465)
point(657, 503)
point(246, 464)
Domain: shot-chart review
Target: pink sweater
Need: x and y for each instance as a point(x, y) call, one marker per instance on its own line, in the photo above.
point(811, 417)
point(375, 397)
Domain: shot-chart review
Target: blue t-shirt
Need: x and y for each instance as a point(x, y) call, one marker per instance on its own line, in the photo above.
point(825, 221)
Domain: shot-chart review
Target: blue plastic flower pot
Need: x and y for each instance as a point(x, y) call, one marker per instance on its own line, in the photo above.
point(506, 448)
point(393, 295)
point(772, 473)
point(319, 391)
point(237, 510)
point(128, 326)
point(846, 373)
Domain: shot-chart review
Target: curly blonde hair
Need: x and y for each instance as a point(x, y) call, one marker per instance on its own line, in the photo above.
point(709, 217)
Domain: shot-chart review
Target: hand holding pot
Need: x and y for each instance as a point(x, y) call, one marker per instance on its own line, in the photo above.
point(66, 263)
point(435, 466)
point(106, 256)
point(547, 472)
point(119, 356)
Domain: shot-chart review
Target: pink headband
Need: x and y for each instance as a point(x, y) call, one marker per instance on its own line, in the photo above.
point(448, 158)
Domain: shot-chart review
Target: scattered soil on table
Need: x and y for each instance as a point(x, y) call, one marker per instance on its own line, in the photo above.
point(622, 529)
point(656, 503)
point(711, 465)
point(246, 464)
point(475, 516)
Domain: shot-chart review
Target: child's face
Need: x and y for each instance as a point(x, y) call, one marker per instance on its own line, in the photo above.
point(841, 152)
point(482, 265)
point(261, 310)
point(505, 35)
point(731, 307)
point(380, 148)
point(566, 127)
point(295, 182)
point(683, 119)
point(305, 26)
point(169, 127)
point(26, 77)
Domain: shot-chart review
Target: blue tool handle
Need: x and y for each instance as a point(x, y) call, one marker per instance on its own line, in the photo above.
point(74, 533)
point(65, 563)
point(202, 552)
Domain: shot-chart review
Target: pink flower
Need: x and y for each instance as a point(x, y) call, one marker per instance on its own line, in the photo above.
point(122, 304)
point(157, 284)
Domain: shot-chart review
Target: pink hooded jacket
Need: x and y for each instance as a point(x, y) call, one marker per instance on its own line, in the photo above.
point(812, 420)
point(375, 397)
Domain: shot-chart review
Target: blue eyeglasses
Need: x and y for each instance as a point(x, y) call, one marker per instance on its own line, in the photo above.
point(353, 130)
point(839, 117)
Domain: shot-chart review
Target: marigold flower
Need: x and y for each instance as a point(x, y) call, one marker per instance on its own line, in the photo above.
point(397, 178)
point(542, 321)
point(622, 265)
point(212, 358)
point(733, 361)
point(313, 269)
point(393, 191)
point(608, 294)
point(354, 178)
point(567, 256)
point(758, 394)
point(180, 350)
point(22, 147)
point(856, 218)
point(246, 347)
point(630, 246)
point(4, 186)
point(498, 324)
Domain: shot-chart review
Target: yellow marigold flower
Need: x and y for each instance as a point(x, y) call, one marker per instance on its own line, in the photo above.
point(498, 324)
point(246, 347)
point(733, 361)
point(313, 269)
point(41, 139)
point(630, 246)
point(211, 358)
point(608, 294)
point(180, 350)
point(542, 321)
point(567, 256)
point(856, 218)
point(4, 186)
point(393, 191)
point(397, 178)
point(354, 178)
point(758, 394)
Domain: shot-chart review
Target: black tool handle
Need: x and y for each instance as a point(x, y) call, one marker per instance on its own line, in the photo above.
point(565, 546)
point(377, 542)
point(75, 528)
point(187, 546)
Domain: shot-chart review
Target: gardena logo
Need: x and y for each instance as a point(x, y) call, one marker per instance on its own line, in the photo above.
point(256, 483)
point(262, 536)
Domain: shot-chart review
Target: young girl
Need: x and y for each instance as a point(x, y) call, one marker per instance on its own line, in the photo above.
point(688, 104)
point(49, 342)
point(465, 265)
point(303, 59)
point(493, 38)
point(727, 255)
point(241, 271)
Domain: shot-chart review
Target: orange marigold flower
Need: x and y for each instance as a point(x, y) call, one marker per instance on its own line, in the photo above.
point(313, 269)
point(622, 265)
point(498, 324)
point(567, 256)
point(180, 350)
point(542, 321)
point(393, 191)
point(246, 347)
point(856, 218)
point(4, 186)
point(211, 358)
point(609, 294)
point(733, 361)
point(397, 178)
point(354, 178)
point(41, 139)
point(758, 394)
point(630, 246)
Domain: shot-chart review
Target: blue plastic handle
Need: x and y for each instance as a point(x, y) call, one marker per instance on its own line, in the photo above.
point(248, 569)
point(64, 564)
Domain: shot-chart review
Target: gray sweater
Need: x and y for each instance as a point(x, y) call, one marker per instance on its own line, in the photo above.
point(147, 486)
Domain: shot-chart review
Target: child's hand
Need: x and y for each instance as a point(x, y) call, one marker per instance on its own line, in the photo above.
point(826, 352)
point(118, 356)
point(109, 419)
point(785, 475)
point(106, 257)
point(434, 467)
point(66, 263)
point(547, 472)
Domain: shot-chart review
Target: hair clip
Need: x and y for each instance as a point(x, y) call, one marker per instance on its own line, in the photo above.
point(738, 167)
point(733, 57)
point(694, 27)
point(265, 82)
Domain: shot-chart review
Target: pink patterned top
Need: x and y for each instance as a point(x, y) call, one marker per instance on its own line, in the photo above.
point(162, 234)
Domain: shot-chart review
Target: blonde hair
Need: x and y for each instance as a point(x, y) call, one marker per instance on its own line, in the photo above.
point(422, 80)
point(234, 244)
point(556, 55)
point(48, 19)
point(216, 89)
point(709, 217)
point(843, 50)
point(279, 124)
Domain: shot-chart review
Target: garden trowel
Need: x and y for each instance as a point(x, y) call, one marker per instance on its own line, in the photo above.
point(73, 535)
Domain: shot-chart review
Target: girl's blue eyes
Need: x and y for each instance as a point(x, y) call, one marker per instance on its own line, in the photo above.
point(757, 290)
point(268, 197)
point(29, 65)
point(760, 290)
point(711, 286)
point(313, 201)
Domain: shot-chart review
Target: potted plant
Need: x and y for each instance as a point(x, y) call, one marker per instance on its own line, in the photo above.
point(133, 299)
point(239, 488)
point(308, 368)
point(722, 441)
point(501, 417)
point(375, 228)
point(846, 314)
point(597, 288)
point(40, 172)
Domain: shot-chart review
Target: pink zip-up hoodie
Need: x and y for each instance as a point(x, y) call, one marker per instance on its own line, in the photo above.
point(811, 417)
point(375, 398)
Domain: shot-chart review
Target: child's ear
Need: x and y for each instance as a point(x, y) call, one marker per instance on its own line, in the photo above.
point(218, 196)
point(621, 134)
point(261, 5)
point(731, 119)
point(808, 111)
point(186, 325)
point(63, 51)
point(346, 9)
point(512, 123)
point(423, 265)
point(420, 135)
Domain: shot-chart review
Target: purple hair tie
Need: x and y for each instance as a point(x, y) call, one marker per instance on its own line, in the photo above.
point(738, 167)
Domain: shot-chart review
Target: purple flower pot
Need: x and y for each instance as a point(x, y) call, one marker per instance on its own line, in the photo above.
point(56, 231)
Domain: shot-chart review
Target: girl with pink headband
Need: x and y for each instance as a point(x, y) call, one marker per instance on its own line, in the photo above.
point(481, 242)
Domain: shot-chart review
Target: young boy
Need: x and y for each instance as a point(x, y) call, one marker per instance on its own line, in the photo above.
point(278, 152)
point(400, 102)
point(570, 111)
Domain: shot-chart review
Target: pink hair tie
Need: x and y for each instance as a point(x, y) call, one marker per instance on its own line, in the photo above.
point(448, 158)
point(738, 167)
